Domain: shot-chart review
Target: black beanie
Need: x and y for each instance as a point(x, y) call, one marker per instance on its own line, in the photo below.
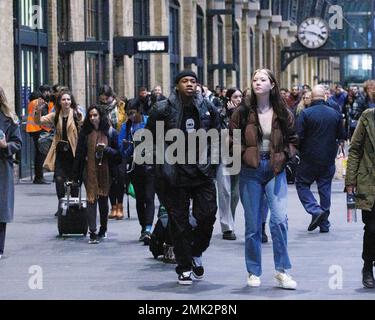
point(185, 73)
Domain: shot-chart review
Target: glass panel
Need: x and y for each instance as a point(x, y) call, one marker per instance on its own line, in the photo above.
point(141, 17)
point(63, 20)
point(27, 13)
point(96, 19)
point(264, 4)
point(357, 68)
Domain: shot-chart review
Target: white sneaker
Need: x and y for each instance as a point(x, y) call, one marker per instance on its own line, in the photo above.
point(285, 281)
point(253, 280)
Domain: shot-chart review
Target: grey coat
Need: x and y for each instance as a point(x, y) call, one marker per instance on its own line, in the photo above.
point(13, 138)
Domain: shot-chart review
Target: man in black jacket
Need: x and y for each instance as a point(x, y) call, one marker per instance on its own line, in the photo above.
point(178, 184)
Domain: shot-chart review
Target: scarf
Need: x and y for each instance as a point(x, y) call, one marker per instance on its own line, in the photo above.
point(97, 180)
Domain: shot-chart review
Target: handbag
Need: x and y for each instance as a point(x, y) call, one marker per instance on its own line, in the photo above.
point(130, 190)
point(45, 141)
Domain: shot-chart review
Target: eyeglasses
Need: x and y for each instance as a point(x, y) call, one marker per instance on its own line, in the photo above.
point(306, 98)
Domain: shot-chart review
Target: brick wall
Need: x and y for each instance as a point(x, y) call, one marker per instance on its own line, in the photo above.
point(6, 49)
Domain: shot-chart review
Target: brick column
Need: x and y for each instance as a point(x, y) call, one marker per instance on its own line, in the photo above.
point(78, 61)
point(7, 50)
point(53, 54)
point(160, 74)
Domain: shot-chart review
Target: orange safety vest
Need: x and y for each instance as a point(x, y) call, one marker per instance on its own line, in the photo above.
point(31, 126)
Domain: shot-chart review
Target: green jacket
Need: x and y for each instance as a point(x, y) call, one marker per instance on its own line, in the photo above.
point(361, 162)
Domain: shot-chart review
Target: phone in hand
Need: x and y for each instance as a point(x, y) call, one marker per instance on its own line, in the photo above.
point(2, 135)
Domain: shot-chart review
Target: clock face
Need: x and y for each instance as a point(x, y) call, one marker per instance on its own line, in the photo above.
point(313, 33)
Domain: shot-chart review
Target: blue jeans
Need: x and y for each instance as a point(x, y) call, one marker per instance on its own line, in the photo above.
point(306, 175)
point(254, 183)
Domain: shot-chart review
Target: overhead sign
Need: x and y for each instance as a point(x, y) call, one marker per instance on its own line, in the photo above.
point(151, 46)
point(145, 44)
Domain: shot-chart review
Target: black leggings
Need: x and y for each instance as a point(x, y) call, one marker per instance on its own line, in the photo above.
point(3, 227)
point(103, 210)
point(63, 173)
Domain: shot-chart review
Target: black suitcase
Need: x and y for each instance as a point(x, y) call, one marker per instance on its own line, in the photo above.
point(72, 219)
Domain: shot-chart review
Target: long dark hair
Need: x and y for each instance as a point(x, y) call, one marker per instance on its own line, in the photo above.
point(277, 102)
point(230, 93)
point(58, 107)
point(104, 126)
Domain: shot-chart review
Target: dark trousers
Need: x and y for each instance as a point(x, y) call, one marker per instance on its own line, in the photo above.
point(306, 175)
point(368, 218)
point(38, 157)
point(3, 227)
point(103, 211)
point(63, 173)
point(116, 193)
point(189, 242)
point(144, 188)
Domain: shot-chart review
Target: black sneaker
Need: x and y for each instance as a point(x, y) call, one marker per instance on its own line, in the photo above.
point(102, 233)
point(184, 278)
point(368, 280)
point(93, 238)
point(40, 181)
point(142, 237)
point(147, 238)
point(229, 235)
point(198, 270)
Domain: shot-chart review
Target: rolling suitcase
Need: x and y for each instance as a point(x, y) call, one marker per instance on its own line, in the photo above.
point(72, 218)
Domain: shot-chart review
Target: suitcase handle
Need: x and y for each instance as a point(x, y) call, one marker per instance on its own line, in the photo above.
point(68, 186)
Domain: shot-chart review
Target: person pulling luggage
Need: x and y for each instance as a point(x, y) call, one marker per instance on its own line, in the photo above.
point(96, 152)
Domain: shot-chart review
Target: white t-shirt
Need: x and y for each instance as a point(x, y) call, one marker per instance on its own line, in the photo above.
point(265, 120)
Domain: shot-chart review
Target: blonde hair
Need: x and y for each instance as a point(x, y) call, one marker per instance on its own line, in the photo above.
point(368, 87)
point(4, 107)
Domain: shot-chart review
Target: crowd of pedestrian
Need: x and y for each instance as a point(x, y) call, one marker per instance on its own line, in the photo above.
point(95, 147)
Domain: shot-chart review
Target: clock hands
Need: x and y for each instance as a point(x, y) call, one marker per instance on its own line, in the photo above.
point(313, 33)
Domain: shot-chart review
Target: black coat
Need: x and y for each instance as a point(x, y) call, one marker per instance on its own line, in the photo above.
point(111, 151)
point(170, 112)
point(13, 138)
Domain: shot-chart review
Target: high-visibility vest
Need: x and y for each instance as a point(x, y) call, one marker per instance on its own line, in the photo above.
point(31, 126)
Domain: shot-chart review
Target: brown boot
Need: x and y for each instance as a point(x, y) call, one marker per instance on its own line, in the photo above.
point(113, 214)
point(120, 211)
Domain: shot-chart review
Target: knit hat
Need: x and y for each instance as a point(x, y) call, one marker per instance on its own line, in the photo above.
point(185, 73)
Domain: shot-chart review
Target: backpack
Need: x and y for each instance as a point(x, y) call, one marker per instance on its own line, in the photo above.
point(45, 141)
point(160, 243)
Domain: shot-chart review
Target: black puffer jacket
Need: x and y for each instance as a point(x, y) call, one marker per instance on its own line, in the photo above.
point(170, 112)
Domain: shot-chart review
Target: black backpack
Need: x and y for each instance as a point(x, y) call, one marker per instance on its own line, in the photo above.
point(160, 235)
